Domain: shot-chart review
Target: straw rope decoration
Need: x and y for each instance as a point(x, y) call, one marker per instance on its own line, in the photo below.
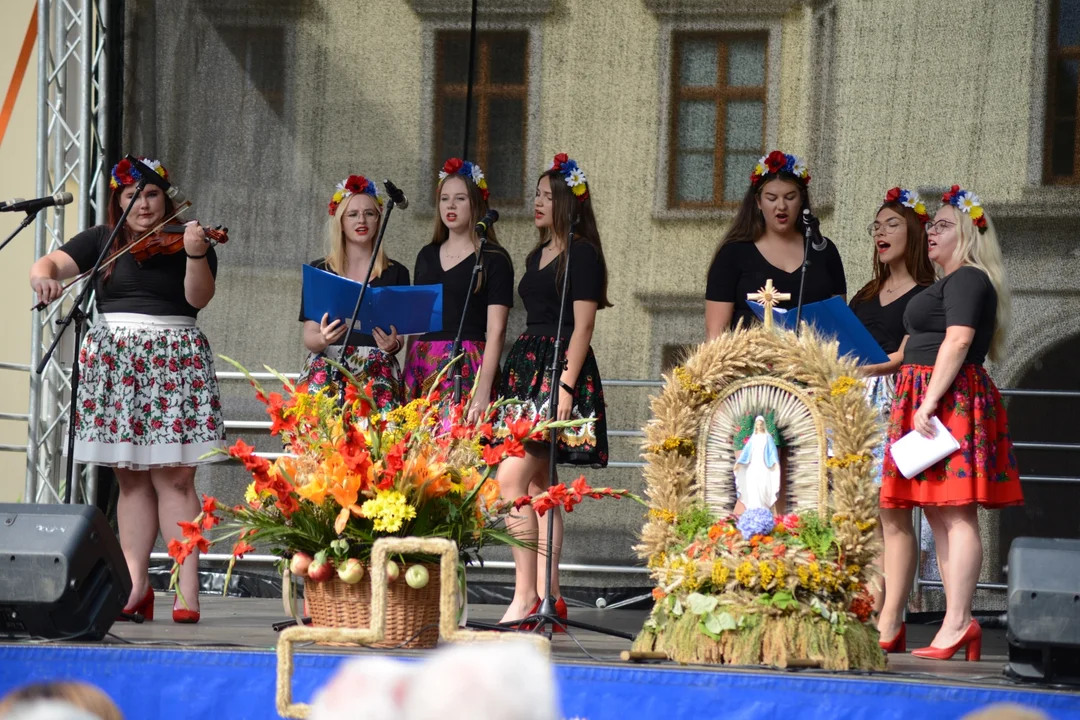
point(447, 551)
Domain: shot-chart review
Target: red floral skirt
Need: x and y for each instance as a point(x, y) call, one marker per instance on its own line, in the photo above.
point(982, 471)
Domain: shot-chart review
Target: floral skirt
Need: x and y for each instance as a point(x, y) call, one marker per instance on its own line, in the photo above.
point(363, 361)
point(148, 396)
point(527, 376)
point(880, 392)
point(426, 360)
point(982, 471)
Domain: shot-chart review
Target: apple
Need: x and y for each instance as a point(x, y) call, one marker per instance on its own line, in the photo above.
point(417, 577)
point(351, 571)
point(320, 569)
point(299, 564)
point(392, 571)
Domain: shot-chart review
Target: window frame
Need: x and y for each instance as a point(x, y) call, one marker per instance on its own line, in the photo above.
point(670, 26)
point(1053, 54)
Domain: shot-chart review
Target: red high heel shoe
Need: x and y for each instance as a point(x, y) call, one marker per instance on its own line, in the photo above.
point(144, 607)
point(560, 610)
point(898, 644)
point(185, 616)
point(971, 641)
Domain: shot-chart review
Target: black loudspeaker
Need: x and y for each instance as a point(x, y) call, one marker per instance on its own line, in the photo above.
point(1044, 610)
point(62, 573)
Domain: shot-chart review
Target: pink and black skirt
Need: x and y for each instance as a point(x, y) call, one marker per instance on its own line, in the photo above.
point(148, 396)
point(365, 363)
point(427, 358)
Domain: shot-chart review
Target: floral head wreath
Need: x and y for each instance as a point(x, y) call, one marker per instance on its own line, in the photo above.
point(776, 162)
point(123, 173)
point(572, 174)
point(457, 166)
point(968, 202)
point(909, 199)
point(354, 185)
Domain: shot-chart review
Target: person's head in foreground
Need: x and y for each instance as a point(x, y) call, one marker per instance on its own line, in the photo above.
point(59, 701)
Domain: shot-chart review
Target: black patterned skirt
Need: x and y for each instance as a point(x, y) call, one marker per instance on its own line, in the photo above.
point(365, 363)
point(527, 377)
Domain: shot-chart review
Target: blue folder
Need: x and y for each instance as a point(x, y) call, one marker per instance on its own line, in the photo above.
point(411, 309)
point(832, 318)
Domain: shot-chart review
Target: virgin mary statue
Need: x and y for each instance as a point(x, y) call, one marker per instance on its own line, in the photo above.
point(757, 471)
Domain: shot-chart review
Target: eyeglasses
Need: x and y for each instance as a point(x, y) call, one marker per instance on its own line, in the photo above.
point(888, 227)
point(933, 228)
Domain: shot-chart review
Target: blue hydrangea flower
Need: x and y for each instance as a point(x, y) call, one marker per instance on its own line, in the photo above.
point(756, 521)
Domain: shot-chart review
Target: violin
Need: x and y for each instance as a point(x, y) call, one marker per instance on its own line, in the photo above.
point(169, 239)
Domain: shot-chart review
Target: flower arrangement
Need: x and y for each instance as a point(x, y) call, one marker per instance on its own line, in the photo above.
point(353, 185)
point(457, 166)
point(124, 173)
point(909, 199)
point(777, 162)
point(354, 475)
point(572, 174)
point(968, 202)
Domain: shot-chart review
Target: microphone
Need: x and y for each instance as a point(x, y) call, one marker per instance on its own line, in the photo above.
point(813, 225)
point(151, 176)
point(486, 222)
point(396, 195)
point(31, 206)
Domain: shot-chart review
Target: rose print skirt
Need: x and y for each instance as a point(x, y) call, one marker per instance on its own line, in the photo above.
point(982, 471)
point(527, 377)
point(365, 363)
point(880, 392)
point(148, 396)
point(426, 360)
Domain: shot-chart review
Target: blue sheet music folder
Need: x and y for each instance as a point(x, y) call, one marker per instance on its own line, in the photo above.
point(832, 318)
point(412, 309)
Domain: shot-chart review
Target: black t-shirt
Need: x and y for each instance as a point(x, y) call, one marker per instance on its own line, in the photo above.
point(965, 297)
point(154, 288)
point(740, 269)
point(540, 292)
point(394, 274)
point(497, 288)
point(885, 323)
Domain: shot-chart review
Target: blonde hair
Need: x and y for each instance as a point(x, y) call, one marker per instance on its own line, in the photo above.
point(335, 258)
point(79, 694)
point(981, 250)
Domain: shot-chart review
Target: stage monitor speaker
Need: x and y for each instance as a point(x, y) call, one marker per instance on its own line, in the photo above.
point(62, 573)
point(1044, 610)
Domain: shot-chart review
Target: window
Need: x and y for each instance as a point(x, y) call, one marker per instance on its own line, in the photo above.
point(1061, 153)
point(497, 127)
point(718, 108)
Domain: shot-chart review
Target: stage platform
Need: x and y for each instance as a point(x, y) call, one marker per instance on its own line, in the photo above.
point(225, 667)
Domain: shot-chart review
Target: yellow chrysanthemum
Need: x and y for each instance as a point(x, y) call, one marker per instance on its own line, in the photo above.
point(976, 212)
point(664, 516)
point(388, 510)
point(745, 574)
point(250, 496)
point(579, 190)
point(842, 385)
point(720, 574)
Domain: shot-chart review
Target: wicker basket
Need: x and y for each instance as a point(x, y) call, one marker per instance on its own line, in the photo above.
point(412, 616)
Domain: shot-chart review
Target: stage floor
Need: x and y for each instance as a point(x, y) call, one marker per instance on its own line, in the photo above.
point(225, 666)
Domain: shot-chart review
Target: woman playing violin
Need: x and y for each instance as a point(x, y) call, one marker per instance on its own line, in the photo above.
point(148, 402)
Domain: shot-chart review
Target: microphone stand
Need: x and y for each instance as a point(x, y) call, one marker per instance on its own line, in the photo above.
point(455, 349)
point(547, 615)
point(808, 232)
point(363, 291)
point(30, 215)
point(78, 316)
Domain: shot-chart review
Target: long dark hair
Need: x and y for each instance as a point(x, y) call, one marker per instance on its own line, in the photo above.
point(567, 208)
point(916, 256)
point(749, 223)
point(478, 207)
point(126, 234)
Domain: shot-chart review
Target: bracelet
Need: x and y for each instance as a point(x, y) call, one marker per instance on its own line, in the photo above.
point(567, 388)
point(196, 257)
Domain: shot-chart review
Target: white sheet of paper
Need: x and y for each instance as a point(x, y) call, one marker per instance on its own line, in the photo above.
point(913, 453)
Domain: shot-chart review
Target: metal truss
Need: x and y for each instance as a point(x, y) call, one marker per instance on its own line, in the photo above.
point(72, 97)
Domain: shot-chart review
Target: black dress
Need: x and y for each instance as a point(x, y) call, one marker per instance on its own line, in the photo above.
point(526, 375)
point(740, 269)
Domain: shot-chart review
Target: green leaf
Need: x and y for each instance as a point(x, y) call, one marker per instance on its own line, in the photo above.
point(784, 600)
point(676, 607)
point(703, 627)
point(727, 622)
point(700, 604)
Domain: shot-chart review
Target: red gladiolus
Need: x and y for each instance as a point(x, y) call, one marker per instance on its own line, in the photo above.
point(520, 429)
point(485, 430)
point(513, 448)
point(240, 548)
point(209, 504)
point(189, 529)
point(493, 455)
point(179, 551)
point(246, 454)
point(522, 501)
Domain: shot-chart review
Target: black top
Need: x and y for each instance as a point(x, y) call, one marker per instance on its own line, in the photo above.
point(394, 274)
point(496, 288)
point(154, 288)
point(965, 297)
point(540, 292)
point(886, 323)
point(740, 269)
